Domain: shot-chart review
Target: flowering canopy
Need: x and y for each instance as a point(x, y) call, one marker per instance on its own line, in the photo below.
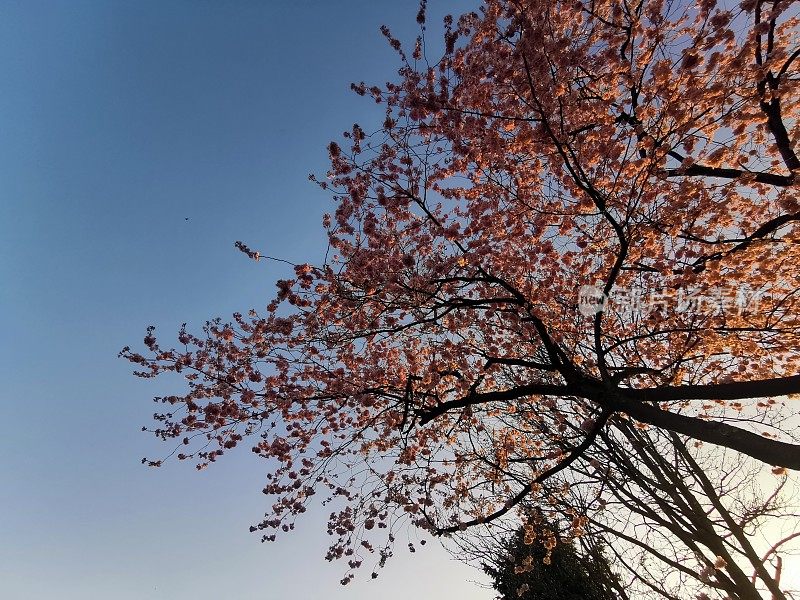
point(440, 365)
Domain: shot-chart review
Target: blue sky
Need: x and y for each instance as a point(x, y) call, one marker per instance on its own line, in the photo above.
point(118, 120)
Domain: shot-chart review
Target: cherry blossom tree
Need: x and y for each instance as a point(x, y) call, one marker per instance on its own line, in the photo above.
point(444, 364)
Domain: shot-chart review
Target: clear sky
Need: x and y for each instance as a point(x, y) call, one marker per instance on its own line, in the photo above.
point(117, 121)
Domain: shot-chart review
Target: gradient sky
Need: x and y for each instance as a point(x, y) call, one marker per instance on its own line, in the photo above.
point(117, 121)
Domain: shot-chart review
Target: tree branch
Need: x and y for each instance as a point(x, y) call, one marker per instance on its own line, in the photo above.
point(773, 452)
point(536, 389)
point(526, 489)
point(705, 171)
point(737, 390)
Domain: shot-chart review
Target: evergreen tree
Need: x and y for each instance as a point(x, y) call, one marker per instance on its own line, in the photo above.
point(547, 568)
